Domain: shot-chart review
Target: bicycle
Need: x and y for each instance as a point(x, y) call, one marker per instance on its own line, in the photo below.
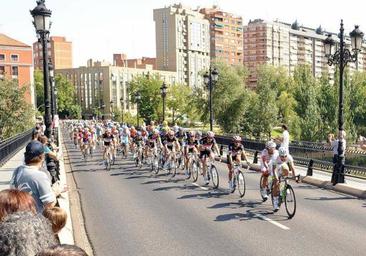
point(108, 160)
point(211, 172)
point(238, 179)
point(170, 164)
point(287, 193)
point(193, 166)
point(138, 156)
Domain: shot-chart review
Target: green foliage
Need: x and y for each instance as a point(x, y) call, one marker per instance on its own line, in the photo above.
point(66, 96)
point(38, 84)
point(151, 104)
point(178, 101)
point(16, 115)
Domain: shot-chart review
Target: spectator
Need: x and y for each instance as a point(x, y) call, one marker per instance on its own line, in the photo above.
point(57, 216)
point(285, 138)
point(63, 250)
point(44, 140)
point(362, 142)
point(335, 142)
point(13, 200)
point(31, 179)
point(25, 234)
point(36, 134)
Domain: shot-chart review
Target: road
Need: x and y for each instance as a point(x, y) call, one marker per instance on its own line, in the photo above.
point(129, 211)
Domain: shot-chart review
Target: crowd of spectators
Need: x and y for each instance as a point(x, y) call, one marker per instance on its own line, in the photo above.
point(30, 217)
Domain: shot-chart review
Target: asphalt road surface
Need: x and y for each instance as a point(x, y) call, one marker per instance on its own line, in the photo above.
point(130, 211)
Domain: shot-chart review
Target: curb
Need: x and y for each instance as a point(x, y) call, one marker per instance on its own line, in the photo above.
point(66, 235)
point(341, 188)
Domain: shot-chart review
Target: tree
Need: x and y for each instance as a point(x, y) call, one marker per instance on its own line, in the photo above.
point(38, 84)
point(16, 115)
point(305, 93)
point(151, 104)
point(66, 96)
point(178, 101)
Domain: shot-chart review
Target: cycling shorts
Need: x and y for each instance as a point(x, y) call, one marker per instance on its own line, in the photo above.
point(206, 153)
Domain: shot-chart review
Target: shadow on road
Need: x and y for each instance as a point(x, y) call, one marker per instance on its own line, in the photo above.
point(329, 198)
point(204, 195)
point(184, 187)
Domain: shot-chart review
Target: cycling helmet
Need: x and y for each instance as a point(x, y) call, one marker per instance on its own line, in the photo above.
point(165, 123)
point(210, 134)
point(270, 144)
point(156, 131)
point(171, 132)
point(192, 133)
point(237, 138)
point(282, 151)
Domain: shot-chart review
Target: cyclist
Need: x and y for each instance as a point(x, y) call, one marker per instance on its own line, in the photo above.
point(267, 155)
point(124, 138)
point(171, 145)
point(280, 168)
point(138, 141)
point(108, 142)
point(237, 153)
point(207, 145)
point(85, 142)
point(190, 146)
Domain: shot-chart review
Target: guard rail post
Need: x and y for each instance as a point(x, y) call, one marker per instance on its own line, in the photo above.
point(310, 168)
point(255, 159)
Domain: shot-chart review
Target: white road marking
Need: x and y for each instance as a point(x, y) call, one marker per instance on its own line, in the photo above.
point(200, 186)
point(271, 221)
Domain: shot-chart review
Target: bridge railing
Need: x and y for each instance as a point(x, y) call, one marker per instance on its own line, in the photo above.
point(9, 147)
point(320, 157)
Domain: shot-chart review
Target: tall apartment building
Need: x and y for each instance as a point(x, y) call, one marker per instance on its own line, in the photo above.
point(288, 45)
point(182, 43)
point(16, 64)
point(59, 51)
point(99, 83)
point(226, 32)
point(121, 60)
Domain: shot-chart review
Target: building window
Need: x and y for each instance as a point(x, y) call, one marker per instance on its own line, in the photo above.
point(2, 72)
point(14, 57)
point(14, 71)
point(2, 57)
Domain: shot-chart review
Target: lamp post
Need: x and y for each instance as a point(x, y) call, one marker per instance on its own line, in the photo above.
point(122, 108)
point(52, 79)
point(103, 107)
point(138, 98)
point(41, 21)
point(341, 57)
point(163, 90)
point(111, 109)
point(210, 78)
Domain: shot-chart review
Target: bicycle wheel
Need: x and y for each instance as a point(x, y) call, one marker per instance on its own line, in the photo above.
point(214, 176)
point(290, 201)
point(173, 167)
point(137, 161)
point(194, 170)
point(241, 183)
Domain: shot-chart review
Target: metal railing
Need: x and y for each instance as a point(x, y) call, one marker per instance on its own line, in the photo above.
point(321, 156)
point(9, 147)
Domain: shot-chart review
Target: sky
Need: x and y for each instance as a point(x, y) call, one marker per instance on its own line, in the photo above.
point(99, 28)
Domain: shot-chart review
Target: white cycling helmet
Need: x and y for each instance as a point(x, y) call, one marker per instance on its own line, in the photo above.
point(270, 144)
point(237, 138)
point(282, 151)
point(210, 134)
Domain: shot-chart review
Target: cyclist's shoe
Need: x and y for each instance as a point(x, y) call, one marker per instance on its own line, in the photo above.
point(264, 194)
point(275, 204)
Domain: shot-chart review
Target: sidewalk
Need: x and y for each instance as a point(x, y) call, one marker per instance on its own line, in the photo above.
point(6, 171)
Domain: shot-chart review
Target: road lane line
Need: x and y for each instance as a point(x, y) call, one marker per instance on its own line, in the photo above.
point(200, 186)
point(271, 221)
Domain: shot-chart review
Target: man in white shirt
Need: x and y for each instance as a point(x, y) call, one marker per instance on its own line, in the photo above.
point(285, 138)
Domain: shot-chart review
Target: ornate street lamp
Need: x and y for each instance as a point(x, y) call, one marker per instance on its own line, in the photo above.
point(341, 57)
point(138, 99)
point(41, 21)
point(163, 90)
point(210, 78)
point(52, 83)
point(122, 107)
